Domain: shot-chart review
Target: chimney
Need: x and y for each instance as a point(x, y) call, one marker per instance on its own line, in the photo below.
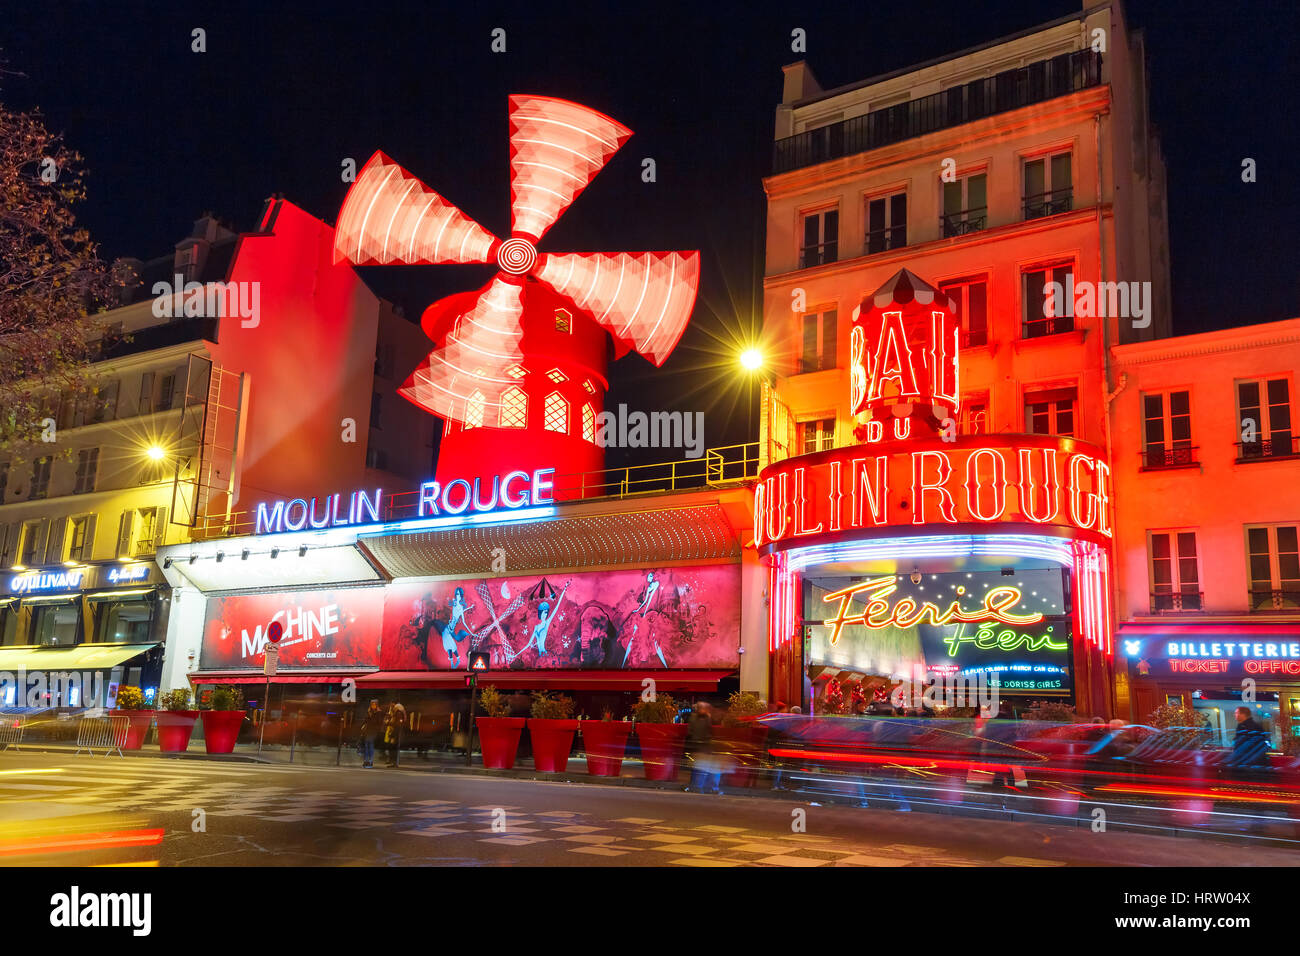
point(799, 83)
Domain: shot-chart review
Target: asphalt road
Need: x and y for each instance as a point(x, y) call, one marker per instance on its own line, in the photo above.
point(65, 810)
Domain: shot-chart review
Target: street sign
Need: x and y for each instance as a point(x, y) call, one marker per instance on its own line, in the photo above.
point(272, 659)
point(479, 661)
point(274, 631)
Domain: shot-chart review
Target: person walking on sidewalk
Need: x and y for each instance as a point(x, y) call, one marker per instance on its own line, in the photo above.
point(699, 738)
point(372, 725)
point(393, 727)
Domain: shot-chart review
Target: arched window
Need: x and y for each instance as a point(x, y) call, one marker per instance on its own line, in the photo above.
point(514, 408)
point(588, 424)
point(474, 410)
point(556, 418)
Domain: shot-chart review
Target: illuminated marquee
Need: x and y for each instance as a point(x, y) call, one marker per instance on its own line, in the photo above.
point(1040, 480)
point(907, 612)
point(300, 513)
point(52, 581)
point(516, 489)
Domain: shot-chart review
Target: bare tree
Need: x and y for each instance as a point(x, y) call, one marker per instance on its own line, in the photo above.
point(50, 280)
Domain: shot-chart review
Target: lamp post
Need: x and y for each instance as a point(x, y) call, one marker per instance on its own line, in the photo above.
point(751, 360)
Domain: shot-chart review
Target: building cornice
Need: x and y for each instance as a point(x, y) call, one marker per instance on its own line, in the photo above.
point(1261, 335)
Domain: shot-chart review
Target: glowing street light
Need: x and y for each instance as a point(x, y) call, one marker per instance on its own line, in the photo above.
point(156, 452)
point(751, 359)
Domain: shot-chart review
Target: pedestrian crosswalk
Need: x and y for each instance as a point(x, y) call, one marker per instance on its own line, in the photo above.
point(444, 829)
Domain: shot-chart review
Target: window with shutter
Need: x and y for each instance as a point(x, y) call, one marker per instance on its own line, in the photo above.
point(33, 543)
point(125, 533)
point(54, 553)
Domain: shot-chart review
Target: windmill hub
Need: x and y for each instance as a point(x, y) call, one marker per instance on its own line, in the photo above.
point(516, 256)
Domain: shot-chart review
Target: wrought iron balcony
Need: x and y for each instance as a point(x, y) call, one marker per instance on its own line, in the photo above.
point(1049, 203)
point(1174, 602)
point(965, 222)
point(1052, 325)
point(1276, 445)
point(1179, 456)
point(880, 240)
point(820, 255)
point(1009, 90)
point(1274, 599)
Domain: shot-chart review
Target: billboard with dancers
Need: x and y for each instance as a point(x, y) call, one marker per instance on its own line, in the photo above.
point(651, 618)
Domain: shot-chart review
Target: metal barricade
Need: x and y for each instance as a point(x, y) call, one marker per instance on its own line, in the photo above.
point(106, 732)
point(11, 730)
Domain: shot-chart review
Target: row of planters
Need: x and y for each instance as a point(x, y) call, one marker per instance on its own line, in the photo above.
point(221, 721)
point(662, 740)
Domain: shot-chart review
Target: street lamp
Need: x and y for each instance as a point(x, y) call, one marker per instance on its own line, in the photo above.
point(751, 360)
point(156, 452)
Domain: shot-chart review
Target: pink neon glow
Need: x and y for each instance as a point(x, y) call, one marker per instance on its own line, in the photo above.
point(556, 149)
point(480, 347)
point(644, 299)
point(389, 216)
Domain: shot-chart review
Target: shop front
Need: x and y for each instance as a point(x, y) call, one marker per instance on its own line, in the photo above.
point(105, 622)
point(920, 554)
point(1214, 668)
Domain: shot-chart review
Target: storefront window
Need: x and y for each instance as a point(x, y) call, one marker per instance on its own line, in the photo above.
point(8, 623)
point(56, 625)
point(123, 622)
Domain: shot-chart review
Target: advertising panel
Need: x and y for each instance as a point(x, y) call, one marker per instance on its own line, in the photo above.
point(681, 617)
point(327, 628)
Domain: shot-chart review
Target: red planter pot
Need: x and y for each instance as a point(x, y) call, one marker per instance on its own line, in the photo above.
point(605, 742)
point(661, 749)
point(499, 739)
point(742, 749)
point(221, 730)
point(552, 741)
point(137, 729)
point(174, 729)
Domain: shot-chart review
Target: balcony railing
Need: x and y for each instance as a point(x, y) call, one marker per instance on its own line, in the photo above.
point(1049, 203)
point(1174, 602)
point(880, 240)
point(1052, 325)
point(1009, 90)
point(1277, 445)
point(964, 222)
point(1180, 456)
point(1274, 599)
point(810, 256)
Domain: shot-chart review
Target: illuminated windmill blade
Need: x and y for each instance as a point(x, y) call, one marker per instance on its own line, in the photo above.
point(462, 380)
point(391, 217)
point(644, 299)
point(556, 150)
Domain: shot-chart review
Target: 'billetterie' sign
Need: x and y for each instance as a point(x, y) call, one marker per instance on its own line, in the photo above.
point(1034, 480)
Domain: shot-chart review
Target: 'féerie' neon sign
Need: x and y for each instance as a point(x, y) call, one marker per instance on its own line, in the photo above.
point(907, 612)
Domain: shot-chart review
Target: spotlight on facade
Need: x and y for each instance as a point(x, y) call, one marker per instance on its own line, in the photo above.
point(193, 558)
point(275, 552)
point(167, 563)
point(916, 575)
point(1008, 572)
point(751, 360)
point(244, 556)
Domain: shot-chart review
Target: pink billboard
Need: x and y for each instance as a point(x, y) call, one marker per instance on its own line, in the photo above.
point(652, 618)
point(328, 628)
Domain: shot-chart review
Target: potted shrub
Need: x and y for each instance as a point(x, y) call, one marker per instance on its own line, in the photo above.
point(175, 720)
point(661, 740)
point(551, 729)
point(498, 733)
point(741, 737)
point(221, 722)
point(605, 742)
point(130, 704)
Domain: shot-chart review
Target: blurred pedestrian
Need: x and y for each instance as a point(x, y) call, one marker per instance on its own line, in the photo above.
point(699, 741)
point(394, 723)
point(1250, 744)
point(372, 725)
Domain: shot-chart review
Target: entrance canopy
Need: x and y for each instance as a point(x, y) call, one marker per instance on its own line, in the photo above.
point(571, 680)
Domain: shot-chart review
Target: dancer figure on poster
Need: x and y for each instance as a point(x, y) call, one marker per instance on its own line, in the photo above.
point(454, 634)
point(646, 601)
point(544, 618)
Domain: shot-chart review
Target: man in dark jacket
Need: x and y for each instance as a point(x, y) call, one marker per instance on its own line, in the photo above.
point(1250, 744)
point(699, 740)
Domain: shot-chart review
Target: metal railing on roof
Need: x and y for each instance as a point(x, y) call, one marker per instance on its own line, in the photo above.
point(716, 468)
point(1009, 90)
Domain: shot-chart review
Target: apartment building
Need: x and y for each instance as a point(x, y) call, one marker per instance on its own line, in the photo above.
point(273, 374)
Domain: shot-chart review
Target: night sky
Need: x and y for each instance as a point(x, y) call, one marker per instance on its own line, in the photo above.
point(286, 91)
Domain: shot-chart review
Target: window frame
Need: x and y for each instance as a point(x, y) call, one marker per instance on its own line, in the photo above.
point(825, 358)
point(949, 225)
point(964, 285)
point(819, 213)
point(824, 439)
point(1278, 587)
point(1178, 589)
point(1264, 440)
point(1053, 196)
point(1049, 270)
point(1173, 452)
point(888, 232)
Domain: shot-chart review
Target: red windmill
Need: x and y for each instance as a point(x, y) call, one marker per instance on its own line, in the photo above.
point(518, 367)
